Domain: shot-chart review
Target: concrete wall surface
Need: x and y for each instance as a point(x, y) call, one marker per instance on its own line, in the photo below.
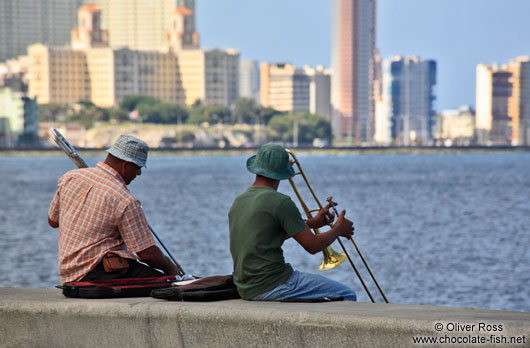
point(44, 318)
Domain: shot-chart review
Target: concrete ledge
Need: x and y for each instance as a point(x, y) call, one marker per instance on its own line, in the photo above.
point(44, 318)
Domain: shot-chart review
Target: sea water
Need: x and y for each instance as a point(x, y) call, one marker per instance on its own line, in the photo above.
point(436, 229)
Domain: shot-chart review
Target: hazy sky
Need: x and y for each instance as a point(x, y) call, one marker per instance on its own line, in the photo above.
point(458, 34)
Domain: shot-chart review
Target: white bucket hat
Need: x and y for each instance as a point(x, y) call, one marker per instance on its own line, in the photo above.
point(130, 149)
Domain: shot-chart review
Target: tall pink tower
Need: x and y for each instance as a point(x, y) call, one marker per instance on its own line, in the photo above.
point(352, 60)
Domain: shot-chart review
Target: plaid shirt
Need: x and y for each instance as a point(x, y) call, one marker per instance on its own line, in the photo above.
point(96, 214)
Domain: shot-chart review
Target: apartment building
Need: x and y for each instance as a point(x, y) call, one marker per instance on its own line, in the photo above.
point(144, 25)
point(319, 91)
point(519, 100)
point(25, 22)
point(284, 87)
point(92, 70)
point(249, 81)
point(494, 89)
point(406, 115)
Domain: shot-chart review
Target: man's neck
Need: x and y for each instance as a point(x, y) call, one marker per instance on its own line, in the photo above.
point(262, 181)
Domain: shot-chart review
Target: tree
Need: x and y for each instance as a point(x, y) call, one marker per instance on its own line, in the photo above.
point(131, 101)
point(53, 112)
point(310, 126)
point(197, 114)
point(118, 115)
point(267, 113)
point(218, 113)
point(245, 111)
point(164, 113)
point(86, 116)
point(211, 114)
point(175, 114)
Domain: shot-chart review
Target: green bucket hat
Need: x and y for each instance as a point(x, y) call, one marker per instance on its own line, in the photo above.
point(271, 161)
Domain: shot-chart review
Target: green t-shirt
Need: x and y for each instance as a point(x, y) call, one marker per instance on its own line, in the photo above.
point(260, 219)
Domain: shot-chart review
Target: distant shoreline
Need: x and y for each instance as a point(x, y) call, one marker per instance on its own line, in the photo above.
point(301, 150)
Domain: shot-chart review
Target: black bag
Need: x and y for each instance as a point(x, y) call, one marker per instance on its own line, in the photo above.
point(128, 287)
point(214, 288)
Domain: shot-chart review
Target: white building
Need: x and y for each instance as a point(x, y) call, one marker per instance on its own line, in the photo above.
point(249, 79)
point(319, 91)
point(493, 91)
point(457, 127)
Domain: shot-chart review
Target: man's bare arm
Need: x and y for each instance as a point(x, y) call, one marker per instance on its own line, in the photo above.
point(313, 243)
point(154, 257)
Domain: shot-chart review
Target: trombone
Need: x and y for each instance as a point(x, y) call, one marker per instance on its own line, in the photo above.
point(70, 151)
point(332, 258)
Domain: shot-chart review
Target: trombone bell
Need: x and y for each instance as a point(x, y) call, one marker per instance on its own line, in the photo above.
point(331, 259)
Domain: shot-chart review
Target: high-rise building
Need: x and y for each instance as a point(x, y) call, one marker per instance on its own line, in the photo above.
point(494, 89)
point(456, 127)
point(91, 70)
point(284, 87)
point(519, 101)
point(210, 75)
point(25, 22)
point(19, 118)
point(14, 74)
point(353, 50)
point(249, 79)
point(143, 24)
point(319, 91)
point(406, 115)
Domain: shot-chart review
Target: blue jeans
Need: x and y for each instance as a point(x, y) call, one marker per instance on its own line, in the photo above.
point(302, 285)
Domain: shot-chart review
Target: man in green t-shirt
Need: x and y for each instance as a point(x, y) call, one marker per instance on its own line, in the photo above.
point(261, 219)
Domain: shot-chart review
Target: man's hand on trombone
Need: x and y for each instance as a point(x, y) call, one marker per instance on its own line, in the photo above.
point(323, 218)
point(314, 243)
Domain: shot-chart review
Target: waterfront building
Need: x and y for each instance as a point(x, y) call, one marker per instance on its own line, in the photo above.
point(405, 115)
point(25, 22)
point(352, 59)
point(92, 70)
point(519, 101)
point(14, 74)
point(494, 89)
point(284, 87)
point(19, 118)
point(382, 130)
point(249, 82)
point(209, 75)
point(456, 127)
point(319, 91)
point(143, 24)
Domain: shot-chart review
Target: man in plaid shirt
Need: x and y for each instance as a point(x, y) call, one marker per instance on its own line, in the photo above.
point(98, 217)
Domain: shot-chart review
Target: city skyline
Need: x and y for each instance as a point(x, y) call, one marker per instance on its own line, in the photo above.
point(301, 35)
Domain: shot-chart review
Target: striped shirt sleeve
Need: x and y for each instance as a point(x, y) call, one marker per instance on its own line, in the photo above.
point(53, 211)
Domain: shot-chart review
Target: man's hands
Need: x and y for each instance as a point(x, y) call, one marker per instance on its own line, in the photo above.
point(323, 218)
point(344, 226)
point(313, 243)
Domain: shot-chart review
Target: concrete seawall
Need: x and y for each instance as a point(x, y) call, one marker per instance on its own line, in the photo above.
point(44, 318)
